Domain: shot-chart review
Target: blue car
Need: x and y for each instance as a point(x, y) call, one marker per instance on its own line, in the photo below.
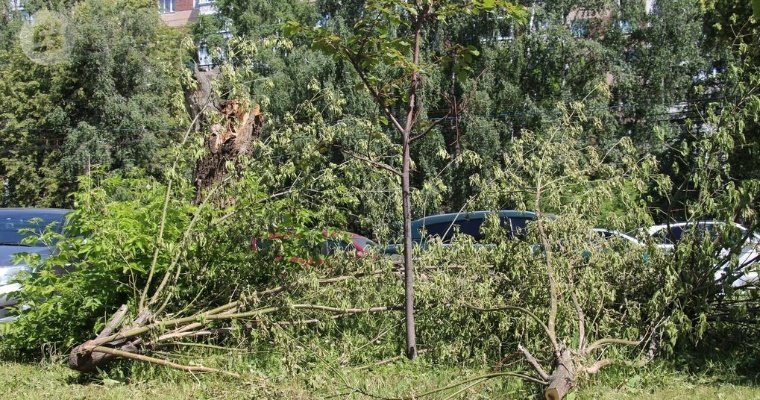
point(17, 226)
point(445, 226)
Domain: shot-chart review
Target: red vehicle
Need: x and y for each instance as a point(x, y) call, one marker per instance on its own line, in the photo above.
point(299, 249)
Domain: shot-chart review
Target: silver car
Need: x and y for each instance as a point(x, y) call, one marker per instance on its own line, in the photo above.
point(668, 235)
point(18, 226)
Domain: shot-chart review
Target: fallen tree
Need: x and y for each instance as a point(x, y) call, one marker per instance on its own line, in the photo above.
point(171, 265)
point(129, 340)
point(561, 282)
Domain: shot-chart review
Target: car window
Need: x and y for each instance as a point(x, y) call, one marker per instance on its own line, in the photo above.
point(676, 233)
point(663, 236)
point(471, 227)
point(14, 226)
point(446, 230)
point(696, 232)
point(710, 231)
point(604, 234)
point(518, 226)
point(699, 232)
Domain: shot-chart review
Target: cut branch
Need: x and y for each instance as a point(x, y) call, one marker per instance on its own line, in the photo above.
point(581, 322)
point(608, 341)
point(597, 366)
point(86, 356)
point(374, 163)
point(158, 361)
point(533, 362)
point(115, 321)
point(162, 223)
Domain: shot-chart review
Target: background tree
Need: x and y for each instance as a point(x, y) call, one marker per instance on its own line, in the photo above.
point(114, 102)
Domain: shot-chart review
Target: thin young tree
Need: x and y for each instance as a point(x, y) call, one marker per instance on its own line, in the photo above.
point(385, 47)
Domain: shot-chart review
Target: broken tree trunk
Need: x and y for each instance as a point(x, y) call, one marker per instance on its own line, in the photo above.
point(563, 377)
point(83, 359)
point(242, 125)
point(202, 98)
point(147, 330)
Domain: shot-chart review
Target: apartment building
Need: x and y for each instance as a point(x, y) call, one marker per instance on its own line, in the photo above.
point(177, 13)
point(18, 6)
point(580, 20)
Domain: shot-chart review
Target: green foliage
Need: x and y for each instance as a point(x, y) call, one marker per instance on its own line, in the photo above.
point(105, 252)
point(114, 102)
point(619, 124)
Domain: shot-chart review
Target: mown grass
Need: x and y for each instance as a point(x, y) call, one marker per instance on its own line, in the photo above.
point(55, 381)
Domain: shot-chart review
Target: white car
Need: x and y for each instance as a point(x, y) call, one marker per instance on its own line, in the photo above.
point(15, 225)
point(609, 234)
point(667, 236)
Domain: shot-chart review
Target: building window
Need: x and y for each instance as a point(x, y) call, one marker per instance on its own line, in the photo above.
point(649, 6)
point(625, 27)
point(204, 58)
point(202, 3)
point(579, 28)
point(167, 6)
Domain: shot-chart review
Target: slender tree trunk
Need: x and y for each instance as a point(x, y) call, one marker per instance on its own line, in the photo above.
point(411, 337)
point(406, 197)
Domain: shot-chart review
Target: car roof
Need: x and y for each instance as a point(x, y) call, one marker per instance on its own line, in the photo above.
point(39, 210)
point(465, 216)
point(468, 215)
point(656, 228)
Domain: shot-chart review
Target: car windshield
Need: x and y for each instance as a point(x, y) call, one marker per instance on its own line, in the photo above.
point(15, 226)
point(702, 230)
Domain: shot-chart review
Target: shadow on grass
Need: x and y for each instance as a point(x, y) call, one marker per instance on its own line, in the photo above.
point(728, 355)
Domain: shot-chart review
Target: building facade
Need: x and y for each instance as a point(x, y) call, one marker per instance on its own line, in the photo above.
point(177, 13)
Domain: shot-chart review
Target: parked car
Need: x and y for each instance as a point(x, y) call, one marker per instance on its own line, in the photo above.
point(445, 226)
point(468, 223)
point(612, 234)
point(618, 241)
point(332, 244)
point(667, 237)
point(17, 228)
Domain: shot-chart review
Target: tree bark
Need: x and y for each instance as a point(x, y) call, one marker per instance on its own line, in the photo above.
point(411, 337)
point(83, 359)
point(563, 377)
point(406, 200)
point(203, 97)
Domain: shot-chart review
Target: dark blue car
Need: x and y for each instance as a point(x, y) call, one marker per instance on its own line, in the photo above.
point(17, 228)
point(445, 226)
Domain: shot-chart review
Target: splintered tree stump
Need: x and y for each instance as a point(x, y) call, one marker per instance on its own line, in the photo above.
point(229, 139)
point(563, 377)
point(202, 97)
point(242, 124)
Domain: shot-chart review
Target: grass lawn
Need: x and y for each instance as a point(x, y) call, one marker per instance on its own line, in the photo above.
point(54, 381)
